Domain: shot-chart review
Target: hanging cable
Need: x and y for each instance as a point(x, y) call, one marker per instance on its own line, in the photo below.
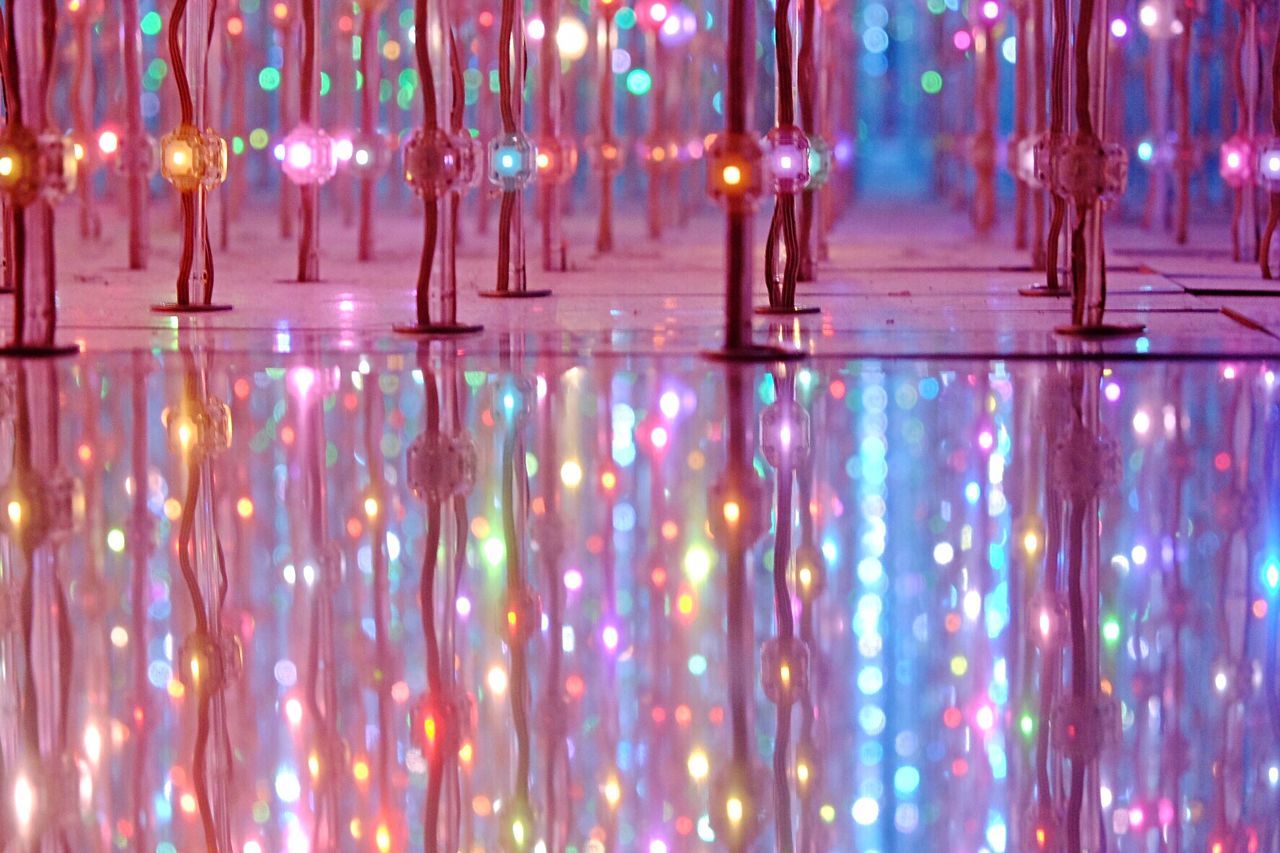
point(1273, 196)
point(1057, 128)
point(782, 286)
point(507, 95)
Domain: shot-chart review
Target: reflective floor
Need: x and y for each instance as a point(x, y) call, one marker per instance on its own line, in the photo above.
point(336, 602)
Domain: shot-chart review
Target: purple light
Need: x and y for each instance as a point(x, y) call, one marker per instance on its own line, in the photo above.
point(573, 580)
point(610, 637)
point(962, 40)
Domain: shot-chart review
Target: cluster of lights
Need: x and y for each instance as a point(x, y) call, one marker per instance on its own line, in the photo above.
point(308, 156)
point(787, 155)
point(36, 167)
point(556, 159)
point(734, 171)
point(513, 160)
point(193, 160)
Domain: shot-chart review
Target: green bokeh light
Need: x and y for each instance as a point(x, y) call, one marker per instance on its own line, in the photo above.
point(639, 82)
point(269, 79)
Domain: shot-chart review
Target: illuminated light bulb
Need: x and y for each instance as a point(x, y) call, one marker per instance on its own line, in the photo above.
point(92, 743)
point(496, 680)
point(610, 637)
point(802, 772)
point(192, 160)
point(1268, 165)
point(309, 156)
point(108, 142)
point(15, 513)
point(293, 711)
point(732, 175)
point(787, 155)
point(371, 507)
point(990, 10)
point(24, 802)
point(732, 512)
point(572, 39)
point(7, 165)
point(517, 831)
point(734, 810)
point(1031, 543)
point(1119, 28)
point(698, 765)
point(235, 25)
point(78, 150)
point(658, 12)
point(344, 148)
point(512, 161)
point(360, 770)
point(1148, 15)
point(383, 837)
point(1046, 624)
point(280, 11)
point(612, 792)
point(536, 29)
point(1235, 160)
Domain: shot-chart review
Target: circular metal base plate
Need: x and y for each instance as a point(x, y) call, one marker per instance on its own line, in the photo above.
point(438, 329)
point(754, 354)
point(191, 308)
point(1043, 291)
point(1101, 331)
point(514, 294)
point(57, 351)
point(795, 310)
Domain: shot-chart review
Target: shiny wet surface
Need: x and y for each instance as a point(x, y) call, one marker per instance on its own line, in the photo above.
point(280, 602)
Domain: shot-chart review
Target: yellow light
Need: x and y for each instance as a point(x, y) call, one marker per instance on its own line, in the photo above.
point(244, 507)
point(1031, 543)
point(609, 480)
point(659, 154)
point(497, 680)
point(360, 770)
point(806, 576)
point(612, 792)
point(176, 690)
point(544, 160)
point(187, 802)
point(466, 753)
point(517, 831)
point(73, 6)
point(571, 474)
point(15, 513)
point(383, 838)
point(356, 829)
point(78, 150)
point(731, 175)
point(280, 10)
point(313, 765)
point(178, 158)
point(784, 673)
point(92, 743)
point(371, 507)
point(733, 809)
point(293, 711)
point(698, 765)
point(802, 773)
point(732, 512)
point(24, 802)
point(7, 166)
point(195, 669)
point(391, 50)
